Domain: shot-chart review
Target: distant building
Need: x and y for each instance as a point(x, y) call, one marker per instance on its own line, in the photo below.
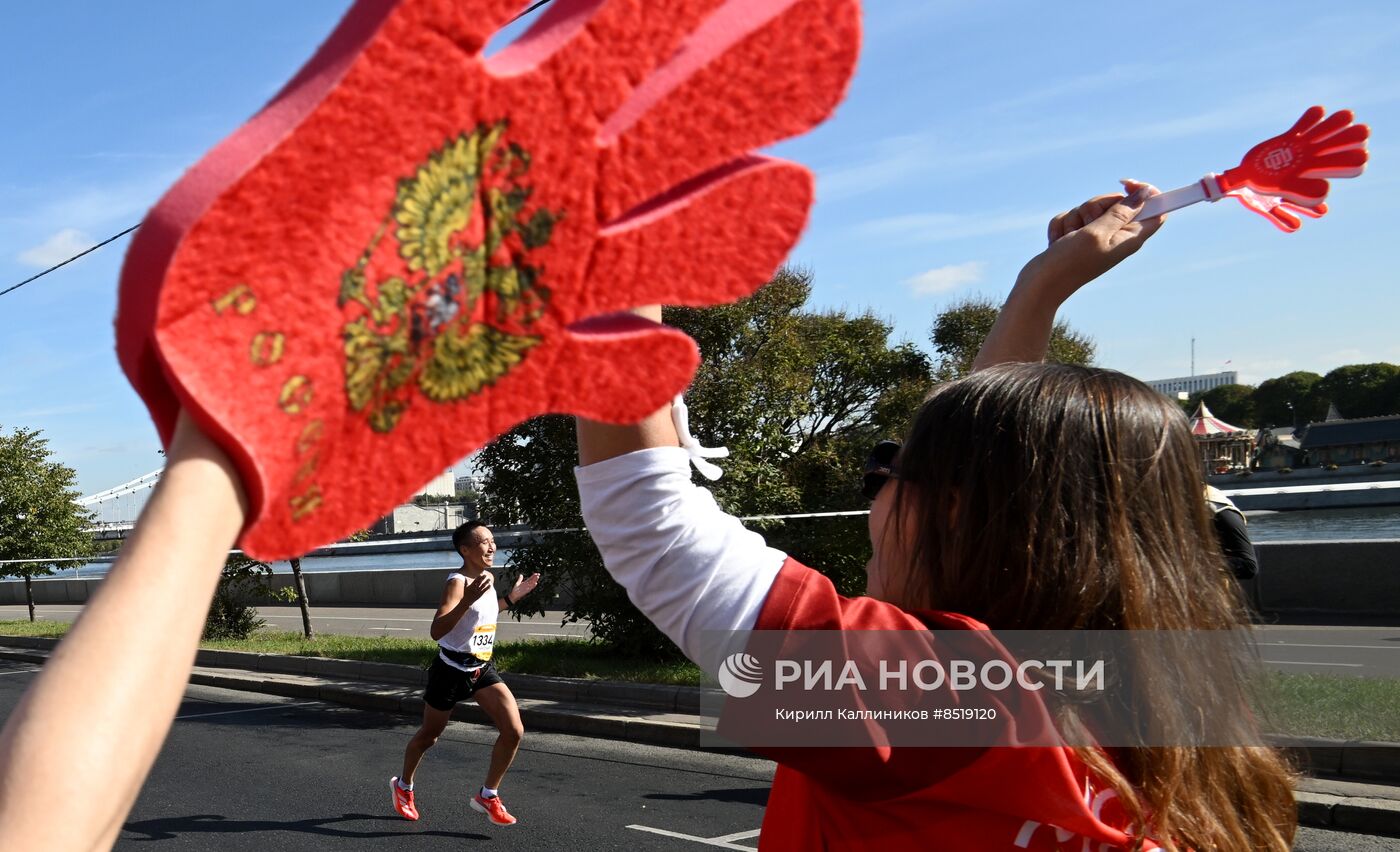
point(1278, 447)
point(1341, 442)
point(435, 506)
point(468, 484)
point(440, 486)
point(1194, 384)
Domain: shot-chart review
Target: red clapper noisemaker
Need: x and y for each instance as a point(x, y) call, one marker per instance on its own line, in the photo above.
point(414, 248)
point(1284, 176)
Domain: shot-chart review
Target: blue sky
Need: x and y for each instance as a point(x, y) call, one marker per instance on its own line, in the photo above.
point(967, 126)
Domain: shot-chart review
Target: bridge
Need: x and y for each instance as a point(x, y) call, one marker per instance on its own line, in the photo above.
point(116, 509)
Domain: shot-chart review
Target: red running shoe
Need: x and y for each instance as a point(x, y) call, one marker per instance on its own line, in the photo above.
point(403, 800)
point(494, 809)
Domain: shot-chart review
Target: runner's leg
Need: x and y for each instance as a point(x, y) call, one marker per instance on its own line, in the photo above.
point(434, 723)
point(499, 704)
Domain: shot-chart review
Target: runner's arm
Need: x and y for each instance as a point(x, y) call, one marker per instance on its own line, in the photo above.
point(457, 598)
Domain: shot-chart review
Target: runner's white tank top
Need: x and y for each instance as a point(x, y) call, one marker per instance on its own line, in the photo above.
point(475, 634)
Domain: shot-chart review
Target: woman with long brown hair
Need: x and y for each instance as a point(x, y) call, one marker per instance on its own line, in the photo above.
point(1026, 496)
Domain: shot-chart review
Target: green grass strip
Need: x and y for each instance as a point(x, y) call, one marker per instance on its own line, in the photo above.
point(1348, 708)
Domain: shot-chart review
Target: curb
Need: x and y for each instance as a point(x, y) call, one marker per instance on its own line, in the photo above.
point(1359, 814)
point(1358, 760)
point(637, 725)
point(666, 699)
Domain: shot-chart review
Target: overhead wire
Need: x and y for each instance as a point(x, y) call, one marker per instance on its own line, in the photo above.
point(116, 237)
point(83, 253)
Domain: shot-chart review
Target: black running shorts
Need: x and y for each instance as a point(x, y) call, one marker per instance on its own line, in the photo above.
point(448, 684)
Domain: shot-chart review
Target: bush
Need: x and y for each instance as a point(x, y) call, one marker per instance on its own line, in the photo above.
point(229, 619)
point(244, 582)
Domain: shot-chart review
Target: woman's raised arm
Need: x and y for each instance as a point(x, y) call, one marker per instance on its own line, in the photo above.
point(1085, 243)
point(80, 743)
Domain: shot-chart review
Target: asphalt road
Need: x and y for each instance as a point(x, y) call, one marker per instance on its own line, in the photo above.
point(242, 771)
point(1349, 651)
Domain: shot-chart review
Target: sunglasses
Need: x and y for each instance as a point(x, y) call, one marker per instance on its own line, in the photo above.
point(879, 468)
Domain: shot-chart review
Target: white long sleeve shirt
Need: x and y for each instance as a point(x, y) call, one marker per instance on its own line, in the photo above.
point(695, 571)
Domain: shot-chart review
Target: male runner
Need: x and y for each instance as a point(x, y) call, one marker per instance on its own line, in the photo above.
point(465, 628)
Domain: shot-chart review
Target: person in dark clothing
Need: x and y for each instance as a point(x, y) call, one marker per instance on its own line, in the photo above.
point(1233, 534)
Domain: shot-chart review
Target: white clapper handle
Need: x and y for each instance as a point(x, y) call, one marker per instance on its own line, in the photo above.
point(1205, 189)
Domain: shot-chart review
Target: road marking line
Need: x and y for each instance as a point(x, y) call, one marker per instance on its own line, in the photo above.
point(721, 842)
point(560, 635)
point(1304, 645)
point(20, 671)
point(347, 618)
point(245, 710)
point(404, 629)
point(1293, 663)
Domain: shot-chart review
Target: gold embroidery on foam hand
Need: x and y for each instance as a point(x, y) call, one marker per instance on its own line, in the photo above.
point(296, 395)
point(305, 503)
point(265, 349)
point(240, 299)
point(463, 235)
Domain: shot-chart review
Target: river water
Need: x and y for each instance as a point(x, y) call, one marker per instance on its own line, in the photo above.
point(1310, 525)
point(1325, 524)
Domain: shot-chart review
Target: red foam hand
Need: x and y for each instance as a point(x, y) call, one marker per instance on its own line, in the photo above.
point(1281, 214)
point(408, 251)
point(1295, 165)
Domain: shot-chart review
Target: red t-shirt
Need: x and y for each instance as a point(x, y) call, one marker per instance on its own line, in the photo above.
point(892, 799)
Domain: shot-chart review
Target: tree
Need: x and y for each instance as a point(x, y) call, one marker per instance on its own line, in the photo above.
point(303, 599)
point(1360, 390)
point(299, 587)
point(38, 516)
point(1232, 403)
point(242, 582)
point(799, 398)
point(1288, 399)
point(958, 333)
point(1391, 392)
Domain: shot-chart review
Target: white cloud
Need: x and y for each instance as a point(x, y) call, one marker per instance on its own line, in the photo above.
point(103, 209)
point(895, 158)
point(946, 278)
point(56, 248)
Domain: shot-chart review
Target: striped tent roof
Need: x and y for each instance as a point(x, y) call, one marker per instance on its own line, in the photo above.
point(1204, 424)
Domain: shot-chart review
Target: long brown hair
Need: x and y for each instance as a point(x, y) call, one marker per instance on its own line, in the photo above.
point(1055, 497)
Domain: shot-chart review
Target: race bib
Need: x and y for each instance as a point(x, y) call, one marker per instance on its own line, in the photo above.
point(482, 641)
